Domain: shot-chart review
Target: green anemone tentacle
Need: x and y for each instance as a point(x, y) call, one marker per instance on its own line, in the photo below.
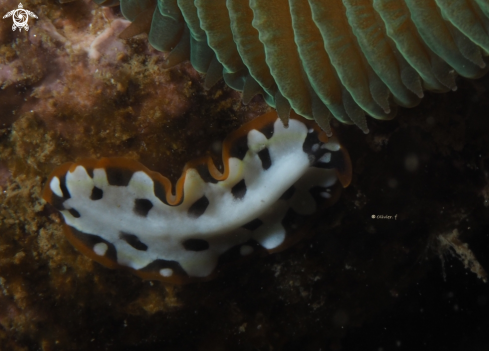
point(323, 58)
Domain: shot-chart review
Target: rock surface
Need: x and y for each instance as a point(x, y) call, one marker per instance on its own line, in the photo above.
point(71, 89)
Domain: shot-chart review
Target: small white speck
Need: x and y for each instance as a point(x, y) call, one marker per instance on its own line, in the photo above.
point(331, 146)
point(326, 158)
point(166, 272)
point(326, 195)
point(392, 183)
point(100, 248)
point(315, 147)
point(245, 250)
point(411, 162)
point(311, 130)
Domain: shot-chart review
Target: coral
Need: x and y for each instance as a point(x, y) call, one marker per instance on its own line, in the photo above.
point(451, 244)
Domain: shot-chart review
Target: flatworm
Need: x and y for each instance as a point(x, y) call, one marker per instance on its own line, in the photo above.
point(274, 178)
point(321, 58)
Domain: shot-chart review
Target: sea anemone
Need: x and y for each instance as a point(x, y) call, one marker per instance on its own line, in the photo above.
point(341, 58)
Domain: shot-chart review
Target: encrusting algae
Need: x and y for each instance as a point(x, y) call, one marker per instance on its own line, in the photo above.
point(66, 99)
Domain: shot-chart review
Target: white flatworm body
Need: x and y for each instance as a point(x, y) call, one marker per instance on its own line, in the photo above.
point(274, 178)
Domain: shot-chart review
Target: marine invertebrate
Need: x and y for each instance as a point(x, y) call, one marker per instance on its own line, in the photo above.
point(340, 58)
point(273, 178)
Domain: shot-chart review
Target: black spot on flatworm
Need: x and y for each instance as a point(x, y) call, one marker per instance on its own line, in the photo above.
point(90, 240)
point(97, 193)
point(268, 130)
point(311, 139)
point(316, 192)
point(239, 148)
point(57, 202)
point(159, 191)
point(89, 172)
point(337, 161)
point(118, 177)
point(158, 265)
point(288, 193)
point(195, 245)
point(64, 189)
point(74, 213)
point(239, 190)
point(198, 207)
point(254, 224)
point(307, 147)
point(292, 221)
point(205, 175)
point(142, 207)
point(134, 241)
point(324, 165)
point(264, 156)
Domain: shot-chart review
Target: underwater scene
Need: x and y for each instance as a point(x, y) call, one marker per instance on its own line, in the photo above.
point(244, 175)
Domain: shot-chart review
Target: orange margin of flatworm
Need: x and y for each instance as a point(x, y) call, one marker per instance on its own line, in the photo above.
point(126, 164)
